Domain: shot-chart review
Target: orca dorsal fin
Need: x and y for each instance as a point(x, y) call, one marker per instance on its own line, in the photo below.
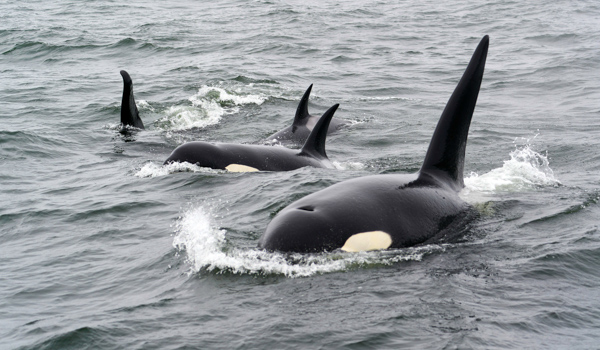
point(315, 144)
point(302, 116)
point(129, 112)
point(446, 153)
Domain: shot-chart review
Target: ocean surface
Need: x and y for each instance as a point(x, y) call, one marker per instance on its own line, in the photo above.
point(103, 247)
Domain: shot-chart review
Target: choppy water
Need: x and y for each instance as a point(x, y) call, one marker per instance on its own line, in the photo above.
point(103, 247)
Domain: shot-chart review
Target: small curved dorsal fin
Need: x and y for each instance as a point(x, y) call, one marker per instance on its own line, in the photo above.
point(315, 144)
point(129, 112)
point(302, 116)
point(446, 153)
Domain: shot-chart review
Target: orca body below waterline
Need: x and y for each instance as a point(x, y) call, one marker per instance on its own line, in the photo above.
point(303, 124)
point(245, 158)
point(389, 211)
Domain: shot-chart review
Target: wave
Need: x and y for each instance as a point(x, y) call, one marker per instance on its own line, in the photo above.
point(208, 106)
point(155, 170)
point(348, 165)
point(24, 145)
point(80, 337)
point(38, 47)
point(554, 38)
point(526, 169)
point(207, 250)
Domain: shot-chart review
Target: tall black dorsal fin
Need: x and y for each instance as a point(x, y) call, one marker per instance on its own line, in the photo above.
point(315, 144)
point(302, 115)
point(446, 153)
point(129, 112)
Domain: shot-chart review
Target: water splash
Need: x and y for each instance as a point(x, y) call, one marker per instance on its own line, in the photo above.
point(348, 165)
point(526, 169)
point(207, 108)
point(237, 96)
point(143, 105)
point(180, 118)
point(154, 170)
point(207, 250)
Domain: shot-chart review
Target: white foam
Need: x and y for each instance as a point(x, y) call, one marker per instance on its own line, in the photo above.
point(154, 170)
point(207, 250)
point(357, 122)
point(348, 165)
point(187, 117)
point(209, 105)
point(113, 126)
point(387, 98)
point(236, 96)
point(143, 104)
point(526, 169)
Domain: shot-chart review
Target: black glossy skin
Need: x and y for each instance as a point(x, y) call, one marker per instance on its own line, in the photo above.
point(303, 124)
point(297, 135)
point(267, 158)
point(129, 112)
point(263, 158)
point(412, 209)
point(409, 208)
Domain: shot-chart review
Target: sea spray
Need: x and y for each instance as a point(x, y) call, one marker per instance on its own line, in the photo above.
point(207, 107)
point(152, 169)
point(207, 250)
point(526, 169)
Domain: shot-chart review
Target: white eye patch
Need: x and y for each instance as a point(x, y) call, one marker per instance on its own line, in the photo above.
point(239, 168)
point(365, 241)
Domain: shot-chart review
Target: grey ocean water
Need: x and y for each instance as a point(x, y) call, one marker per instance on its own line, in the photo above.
point(102, 247)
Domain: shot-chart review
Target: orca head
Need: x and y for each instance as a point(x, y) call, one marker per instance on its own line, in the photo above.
point(312, 225)
point(361, 214)
point(197, 152)
point(299, 229)
point(316, 223)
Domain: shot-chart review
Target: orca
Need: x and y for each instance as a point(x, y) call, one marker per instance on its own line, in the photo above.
point(303, 124)
point(296, 134)
point(129, 112)
point(389, 210)
point(246, 158)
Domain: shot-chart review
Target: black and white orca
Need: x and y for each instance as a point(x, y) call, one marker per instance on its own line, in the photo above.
point(389, 211)
point(303, 124)
point(246, 158)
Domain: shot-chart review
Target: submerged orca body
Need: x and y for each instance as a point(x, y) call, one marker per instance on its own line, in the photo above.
point(303, 124)
point(242, 158)
point(129, 112)
point(389, 211)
